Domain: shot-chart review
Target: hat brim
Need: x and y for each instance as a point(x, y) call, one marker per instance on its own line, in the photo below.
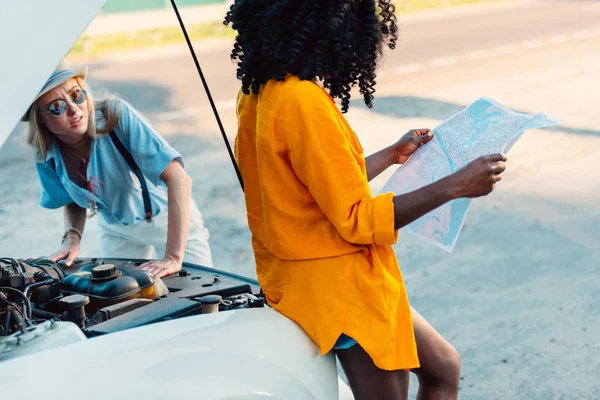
point(61, 77)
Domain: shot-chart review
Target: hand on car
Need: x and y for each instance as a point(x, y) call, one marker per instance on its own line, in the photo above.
point(69, 251)
point(479, 177)
point(410, 142)
point(160, 268)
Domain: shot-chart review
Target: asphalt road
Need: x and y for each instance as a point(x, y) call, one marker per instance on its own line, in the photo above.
point(436, 38)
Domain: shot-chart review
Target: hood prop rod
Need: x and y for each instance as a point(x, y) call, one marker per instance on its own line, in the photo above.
point(210, 99)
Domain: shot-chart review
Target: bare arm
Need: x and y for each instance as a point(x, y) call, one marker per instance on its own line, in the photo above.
point(380, 161)
point(397, 153)
point(74, 217)
point(179, 186)
point(410, 206)
point(413, 205)
point(476, 179)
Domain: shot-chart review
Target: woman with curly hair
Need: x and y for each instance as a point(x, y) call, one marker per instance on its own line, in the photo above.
point(322, 241)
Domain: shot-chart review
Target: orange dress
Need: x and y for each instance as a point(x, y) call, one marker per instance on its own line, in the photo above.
point(322, 242)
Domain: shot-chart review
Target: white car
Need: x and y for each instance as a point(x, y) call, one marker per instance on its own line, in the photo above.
point(104, 329)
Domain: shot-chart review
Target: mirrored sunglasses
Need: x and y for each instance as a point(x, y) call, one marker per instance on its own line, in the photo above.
point(58, 107)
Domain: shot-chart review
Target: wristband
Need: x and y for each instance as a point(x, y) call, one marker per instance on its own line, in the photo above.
point(69, 232)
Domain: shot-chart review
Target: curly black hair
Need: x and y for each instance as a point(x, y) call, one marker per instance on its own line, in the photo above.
point(338, 42)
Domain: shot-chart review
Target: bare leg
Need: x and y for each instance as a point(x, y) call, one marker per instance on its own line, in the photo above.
point(439, 374)
point(367, 381)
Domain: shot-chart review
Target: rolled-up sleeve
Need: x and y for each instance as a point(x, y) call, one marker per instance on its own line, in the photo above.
point(328, 164)
point(53, 194)
point(149, 150)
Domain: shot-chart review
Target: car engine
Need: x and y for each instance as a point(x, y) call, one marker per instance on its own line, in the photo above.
point(43, 304)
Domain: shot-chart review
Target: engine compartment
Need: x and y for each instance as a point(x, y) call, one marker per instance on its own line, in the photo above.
point(96, 296)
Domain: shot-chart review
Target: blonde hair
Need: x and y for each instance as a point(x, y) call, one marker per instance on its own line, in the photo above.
point(40, 137)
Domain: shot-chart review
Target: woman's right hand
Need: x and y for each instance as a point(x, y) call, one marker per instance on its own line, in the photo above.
point(69, 251)
point(479, 177)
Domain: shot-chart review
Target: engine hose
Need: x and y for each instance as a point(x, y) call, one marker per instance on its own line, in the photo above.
point(7, 322)
point(22, 295)
point(42, 264)
point(18, 317)
point(29, 288)
point(44, 314)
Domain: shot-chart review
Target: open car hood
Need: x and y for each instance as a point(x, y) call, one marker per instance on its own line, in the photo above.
point(36, 36)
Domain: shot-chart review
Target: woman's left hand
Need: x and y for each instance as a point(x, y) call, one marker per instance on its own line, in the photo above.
point(410, 142)
point(160, 268)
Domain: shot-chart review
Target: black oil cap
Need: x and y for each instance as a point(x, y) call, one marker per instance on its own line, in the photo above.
point(75, 301)
point(104, 271)
point(183, 272)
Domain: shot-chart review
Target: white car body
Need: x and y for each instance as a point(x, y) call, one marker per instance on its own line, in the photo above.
point(243, 355)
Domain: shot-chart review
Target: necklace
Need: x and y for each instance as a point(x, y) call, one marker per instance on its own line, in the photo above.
point(77, 158)
point(77, 153)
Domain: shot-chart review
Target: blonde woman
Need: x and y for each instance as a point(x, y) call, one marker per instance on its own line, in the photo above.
point(102, 158)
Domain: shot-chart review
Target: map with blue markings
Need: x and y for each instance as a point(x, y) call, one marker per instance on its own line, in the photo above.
point(484, 127)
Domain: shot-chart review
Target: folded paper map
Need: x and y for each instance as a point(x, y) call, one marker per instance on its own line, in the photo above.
point(484, 127)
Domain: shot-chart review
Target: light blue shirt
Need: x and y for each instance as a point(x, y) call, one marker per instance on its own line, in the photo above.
point(119, 198)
